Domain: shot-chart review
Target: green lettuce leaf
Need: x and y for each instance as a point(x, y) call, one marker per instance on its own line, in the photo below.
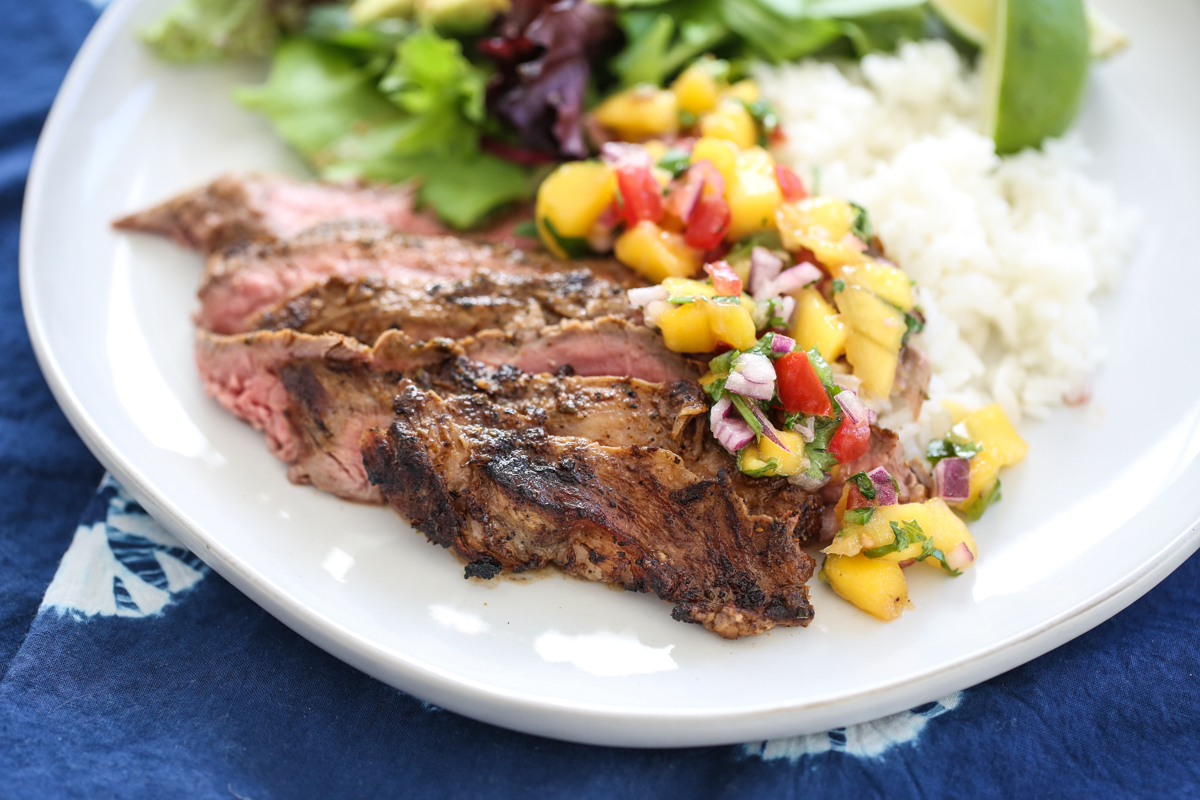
point(207, 30)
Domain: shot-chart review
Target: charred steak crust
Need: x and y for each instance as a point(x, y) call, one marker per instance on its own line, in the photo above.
point(634, 516)
point(364, 308)
point(247, 278)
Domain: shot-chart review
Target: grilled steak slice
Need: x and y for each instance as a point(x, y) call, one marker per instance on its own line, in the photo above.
point(366, 307)
point(912, 378)
point(246, 279)
point(236, 208)
point(313, 395)
point(631, 516)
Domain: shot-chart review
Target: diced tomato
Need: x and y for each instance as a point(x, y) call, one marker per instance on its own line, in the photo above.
point(790, 184)
point(709, 223)
point(640, 194)
point(682, 197)
point(855, 499)
point(800, 390)
point(851, 441)
point(725, 280)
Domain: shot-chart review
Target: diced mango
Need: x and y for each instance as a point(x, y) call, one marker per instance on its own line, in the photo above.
point(822, 225)
point(873, 364)
point(934, 517)
point(817, 325)
point(874, 585)
point(786, 463)
point(641, 112)
point(870, 316)
point(990, 428)
point(753, 194)
point(572, 198)
point(696, 89)
point(655, 253)
point(687, 287)
point(721, 152)
point(732, 324)
point(730, 120)
point(884, 280)
point(747, 91)
point(686, 329)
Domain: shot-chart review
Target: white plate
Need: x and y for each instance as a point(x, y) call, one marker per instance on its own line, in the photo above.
point(1094, 518)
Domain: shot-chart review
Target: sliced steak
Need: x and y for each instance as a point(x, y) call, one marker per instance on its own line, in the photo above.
point(366, 307)
point(237, 208)
point(246, 279)
point(268, 377)
point(631, 516)
point(912, 378)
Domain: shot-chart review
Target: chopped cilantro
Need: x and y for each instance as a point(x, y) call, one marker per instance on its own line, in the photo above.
point(771, 467)
point(858, 516)
point(955, 444)
point(821, 576)
point(675, 161)
point(913, 323)
point(528, 229)
point(861, 227)
point(768, 239)
point(865, 486)
point(905, 535)
point(686, 119)
point(742, 405)
point(776, 308)
point(715, 389)
point(723, 364)
point(573, 246)
point(839, 285)
point(790, 421)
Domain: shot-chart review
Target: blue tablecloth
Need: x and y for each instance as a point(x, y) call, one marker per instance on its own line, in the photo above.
point(131, 670)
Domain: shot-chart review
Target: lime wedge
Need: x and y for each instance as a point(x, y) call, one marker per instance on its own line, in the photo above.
point(1035, 70)
point(970, 19)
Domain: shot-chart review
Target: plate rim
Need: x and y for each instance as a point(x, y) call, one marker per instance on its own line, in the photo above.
point(526, 712)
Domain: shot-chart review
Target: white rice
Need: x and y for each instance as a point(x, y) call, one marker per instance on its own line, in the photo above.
point(1007, 253)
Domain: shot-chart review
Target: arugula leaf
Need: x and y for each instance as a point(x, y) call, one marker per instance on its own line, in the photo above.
point(858, 516)
point(675, 161)
point(984, 501)
point(206, 30)
point(861, 226)
point(573, 246)
point(865, 486)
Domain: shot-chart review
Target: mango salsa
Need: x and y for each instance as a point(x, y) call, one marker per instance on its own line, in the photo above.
point(753, 193)
point(571, 199)
point(817, 325)
point(685, 329)
point(656, 253)
point(696, 89)
point(730, 120)
point(868, 315)
point(721, 152)
point(989, 427)
point(874, 585)
point(732, 324)
point(883, 280)
point(756, 458)
point(642, 112)
point(873, 364)
point(936, 519)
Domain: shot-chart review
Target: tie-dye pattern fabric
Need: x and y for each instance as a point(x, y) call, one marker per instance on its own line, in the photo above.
point(131, 670)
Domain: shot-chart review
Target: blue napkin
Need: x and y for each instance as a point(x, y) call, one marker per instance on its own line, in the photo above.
point(131, 670)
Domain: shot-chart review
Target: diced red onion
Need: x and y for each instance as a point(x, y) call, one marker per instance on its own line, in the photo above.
point(714, 181)
point(906, 563)
point(765, 267)
point(853, 408)
point(885, 490)
point(624, 154)
point(720, 410)
point(740, 384)
point(853, 242)
point(755, 368)
point(643, 296)
point(782, 344)
point(733, 433)
point(959, 556)
point(808, 483)
point(653, 312)
point(788, 311)
point(796, 278)
point(953, 479)
point(807, 431)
